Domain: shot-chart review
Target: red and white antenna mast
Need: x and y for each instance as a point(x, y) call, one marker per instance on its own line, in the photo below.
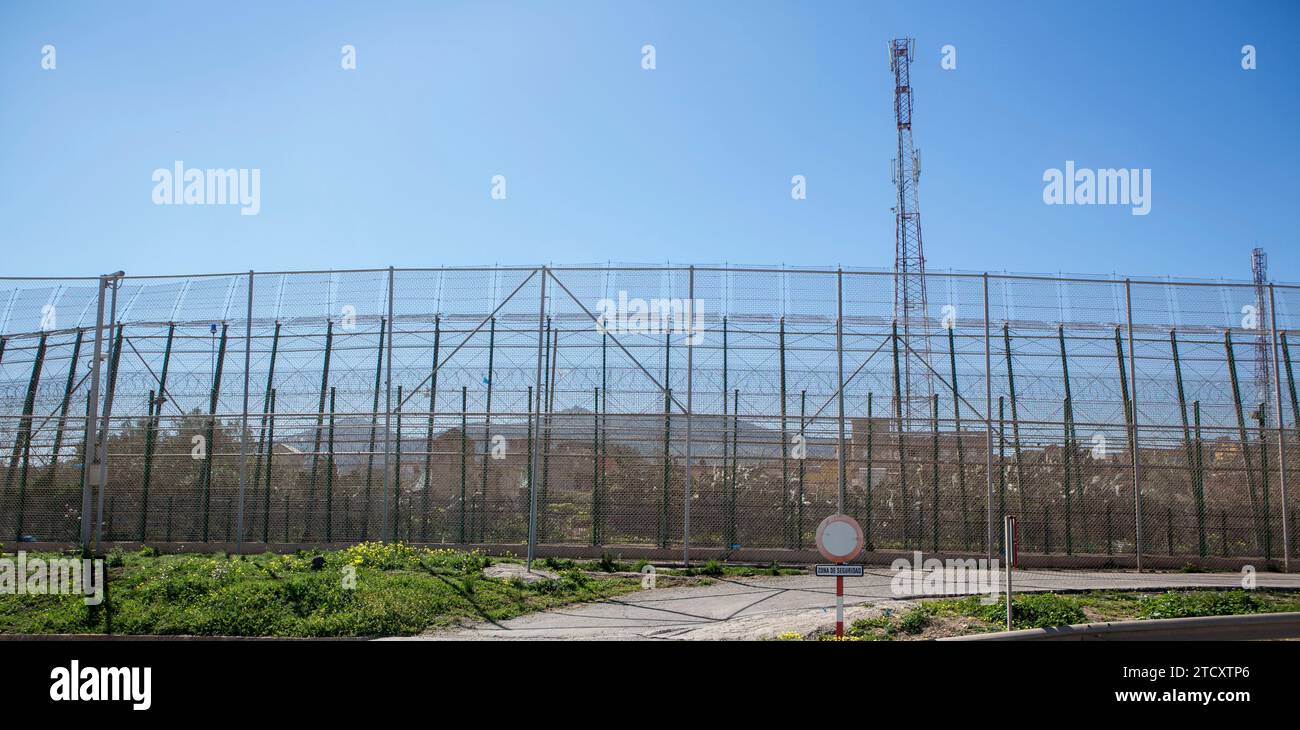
point(1259, 272)
point(910, 305)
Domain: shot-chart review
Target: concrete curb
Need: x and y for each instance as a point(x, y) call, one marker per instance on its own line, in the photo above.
point(1255, 626)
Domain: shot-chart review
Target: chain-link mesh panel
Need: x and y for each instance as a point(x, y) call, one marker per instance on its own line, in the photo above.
point(435, 405)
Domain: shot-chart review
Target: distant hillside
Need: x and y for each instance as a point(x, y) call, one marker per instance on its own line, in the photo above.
point(641, 433)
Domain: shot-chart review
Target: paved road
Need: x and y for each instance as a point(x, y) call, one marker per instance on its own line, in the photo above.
point(746, 608)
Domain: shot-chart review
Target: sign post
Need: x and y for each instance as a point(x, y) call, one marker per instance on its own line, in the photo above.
point(1011, 533)
point(839, 540)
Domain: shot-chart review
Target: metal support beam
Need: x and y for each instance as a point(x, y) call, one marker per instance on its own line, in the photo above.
point(243, 420)
point(428, 436)
point(787, 512)
point(990, 524)
point(1245, 443)
point(370, 444)
point(388, 408)
point(329, 472)
point(1281, 433)
point(959, 436)
point(839, 367)
point(898, 431)
point(270, 465)
point(534, 415)
point(480, 508)
point(1015, 425)
point(396, 533)
point(209, 445)
point(23, 441)
point(690, 391)
point(309, 508)
point(1133, 425)
point(1193, 465)
point(151, 434)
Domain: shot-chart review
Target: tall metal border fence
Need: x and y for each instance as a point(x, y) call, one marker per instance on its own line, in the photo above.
point(720, 410)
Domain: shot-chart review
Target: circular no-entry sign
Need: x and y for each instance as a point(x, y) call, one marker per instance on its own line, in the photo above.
point(839, 538)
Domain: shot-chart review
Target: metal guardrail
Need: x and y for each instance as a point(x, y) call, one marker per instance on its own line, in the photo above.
point(1202, 628)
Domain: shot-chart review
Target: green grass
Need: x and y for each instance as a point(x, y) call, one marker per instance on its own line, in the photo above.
point(399, 590)
point(955, 616)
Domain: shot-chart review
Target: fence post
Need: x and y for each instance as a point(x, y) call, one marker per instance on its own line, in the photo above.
point(604, 418)
point(270, 462)
point(735, 460)
point(23, 439)
point(308, 508)
point(958, 436)
point(1245, 444)
point(388, 407)
point(243, 421)
point(266, 406)
point(547, 417)
point(1133, 426)
point(151, 431)
point(1002, 462)
point(869, 543)
point(839, 366)
point(988, 423)
point(1199, 466)
point(464, 429)
point(90, 462)
point(729, 531)
point(534, 415)
point(1198, 488)
point(787, 518)
point(1015, 424)
point(105, 422)
point(329, 471)
point(595, 467)
point(898, 430)
point(209, 446)
point(374, 424)
point(1261, 418)
point(690, 366)
point(51, 476)
point(934, 472)
point(428, 440)
point(1281, 434)
point(481, 502)
point(803, 472)
point(397, 474)
point(1067, 461)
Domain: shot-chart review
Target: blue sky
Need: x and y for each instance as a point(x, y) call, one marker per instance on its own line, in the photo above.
point(605, 161)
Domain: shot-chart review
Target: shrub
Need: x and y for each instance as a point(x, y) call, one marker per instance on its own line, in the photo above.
point(558, 564)
point(915, 620)
point(608, 564)
point(575, 579)
point(1174, 604)
point(1036, 611)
